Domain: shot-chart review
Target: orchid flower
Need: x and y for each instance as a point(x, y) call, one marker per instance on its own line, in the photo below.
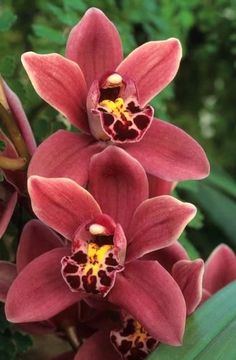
point(106, 97)
point(109, 230)
point(13, 156)
point(220, 270)
point(81, 317)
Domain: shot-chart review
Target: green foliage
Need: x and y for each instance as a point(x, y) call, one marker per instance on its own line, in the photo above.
point(12, 342)
point(210, 331)
point(2, 145)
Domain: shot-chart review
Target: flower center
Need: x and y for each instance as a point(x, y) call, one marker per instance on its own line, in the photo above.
point(93, 264)
point(122, 117)
point(133, 342)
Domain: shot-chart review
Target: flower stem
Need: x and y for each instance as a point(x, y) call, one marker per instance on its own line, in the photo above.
point(72, 337)
point(14, 133)
point(7, 163)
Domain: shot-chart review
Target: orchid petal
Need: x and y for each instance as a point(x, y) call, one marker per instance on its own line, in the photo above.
point(61, 204)
point(7, 208)
point(60, 82)
point(39, 291)
point(168, 152)
point(64, 154)
point(98, 344)
point(152, 66)
point(36, 239)
point(118, 182)
point(188, 275)
point(150, 294)
point(95, 45)
point(20, 118)
point(220, 269)
point(168, 256)
point(158, 187)
point(7, 276)
point(157, 223)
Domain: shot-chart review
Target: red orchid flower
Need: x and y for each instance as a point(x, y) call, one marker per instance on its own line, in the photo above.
point(84, 319)
point(107, 97)
point(11, 162)
point(108, 236)
point(220, 270)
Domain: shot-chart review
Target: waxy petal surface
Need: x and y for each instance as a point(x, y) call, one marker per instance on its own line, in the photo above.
point(60, 82)
point(220, 269)
point(39, 291)
point(20, 118)
point(118, 183)
point(188, 275)
point(36, 239)
point(168, 256)
point(150, 294)
point(95, 45)
point(64, 154)
point(156, 224)
point(98, 344)
point(6, 211)
point(7, 276)
point(61, 204)
point(152, 66)
point(168, 152)
point(158, 187)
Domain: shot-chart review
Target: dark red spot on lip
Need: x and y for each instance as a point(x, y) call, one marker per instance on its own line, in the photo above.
point(123, 132)
point(108, 119)
point(141, 121)
point(70, 268)
point(133, 108)
point(80, 257)
point(104, 279)
point(74, 281)
point(111, 261)
point(151, 343)
point(89, 282)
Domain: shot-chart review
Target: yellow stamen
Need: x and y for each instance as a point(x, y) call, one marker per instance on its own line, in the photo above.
point(96, 257)
point(117, 107)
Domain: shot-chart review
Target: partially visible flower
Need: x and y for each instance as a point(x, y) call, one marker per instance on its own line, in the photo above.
point(18, 145)
point(103, 260)
point(37, 239)
point(107, 97)
point(220, 270)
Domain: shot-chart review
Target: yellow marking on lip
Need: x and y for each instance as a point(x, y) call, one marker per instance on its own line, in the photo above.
point(96, 257)
point(117, 107)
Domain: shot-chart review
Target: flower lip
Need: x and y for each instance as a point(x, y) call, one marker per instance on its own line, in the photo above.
point(96, 258)
point(132, 341)
point(114, 111)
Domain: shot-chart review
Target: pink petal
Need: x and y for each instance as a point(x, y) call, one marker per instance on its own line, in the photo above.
point(95, 45)
point(156, 224)
point(152, 66)
point(118, 182)
point(98, 344)
point(36, 239)
point(70, 355)
point(220, 269)
point(60, 82)
point(64, 154)
point(7, 276)
point(20, 118)
point(159, 186)
point(169, 153)
point(39, 291)
point(205, 296)
point(168, 256)
point(188, 275)
point(61, 204)
point(150, 294)
point(7, 208)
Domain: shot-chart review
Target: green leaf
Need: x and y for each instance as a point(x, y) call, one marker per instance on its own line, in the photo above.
point(210, 331)
point(7, 19)
point(2, 145)
point(45, 32)
point(191, 250)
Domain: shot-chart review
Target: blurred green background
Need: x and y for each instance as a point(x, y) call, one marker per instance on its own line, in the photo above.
point(201, 100)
